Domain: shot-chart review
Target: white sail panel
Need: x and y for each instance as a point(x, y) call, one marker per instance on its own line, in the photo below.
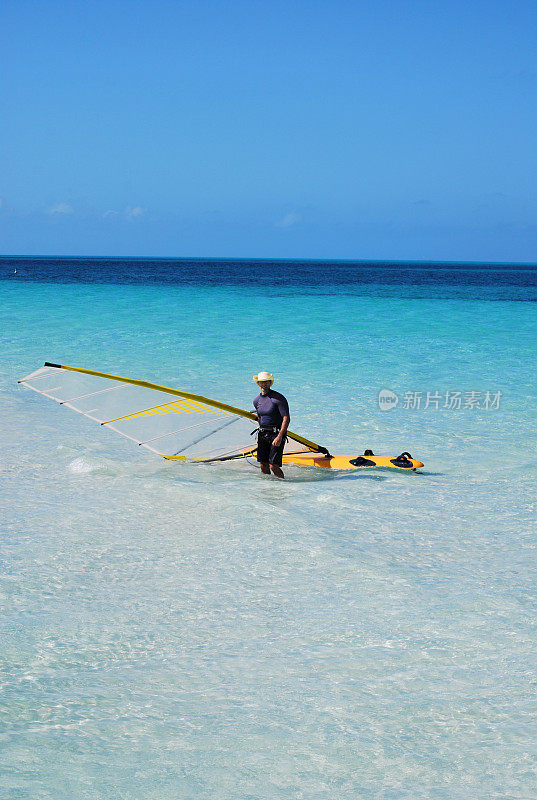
point(169, 422)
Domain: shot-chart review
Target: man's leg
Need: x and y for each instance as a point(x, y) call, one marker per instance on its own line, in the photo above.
point(277, 471)
point(275, 460)
point(263, 452)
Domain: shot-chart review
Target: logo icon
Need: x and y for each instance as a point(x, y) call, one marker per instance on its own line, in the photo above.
point(387, 400)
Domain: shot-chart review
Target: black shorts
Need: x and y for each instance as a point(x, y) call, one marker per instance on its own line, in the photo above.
point(266, 452)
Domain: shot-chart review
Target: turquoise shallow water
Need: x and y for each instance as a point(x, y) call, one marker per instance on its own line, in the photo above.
point(201, 632)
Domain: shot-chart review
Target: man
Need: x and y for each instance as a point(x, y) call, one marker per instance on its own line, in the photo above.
point(272, 412)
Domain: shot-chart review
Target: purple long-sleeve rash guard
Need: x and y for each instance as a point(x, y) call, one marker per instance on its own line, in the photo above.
point(271, 409)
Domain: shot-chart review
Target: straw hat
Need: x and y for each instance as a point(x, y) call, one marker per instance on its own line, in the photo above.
point(264, 376)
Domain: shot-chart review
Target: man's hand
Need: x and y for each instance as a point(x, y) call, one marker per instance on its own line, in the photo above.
point(277, 441)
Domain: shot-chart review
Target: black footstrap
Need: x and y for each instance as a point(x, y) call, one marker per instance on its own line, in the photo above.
point(402, 461)
point(360, 461)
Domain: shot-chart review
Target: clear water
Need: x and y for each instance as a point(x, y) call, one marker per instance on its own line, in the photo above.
point(202, 632)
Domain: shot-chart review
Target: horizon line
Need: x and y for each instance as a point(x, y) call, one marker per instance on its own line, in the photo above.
point(269, 258)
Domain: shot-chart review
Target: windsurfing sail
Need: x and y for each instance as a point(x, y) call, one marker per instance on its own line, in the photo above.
point(170, 422)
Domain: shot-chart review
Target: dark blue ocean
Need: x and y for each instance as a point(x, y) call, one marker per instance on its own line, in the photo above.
point(419, 279)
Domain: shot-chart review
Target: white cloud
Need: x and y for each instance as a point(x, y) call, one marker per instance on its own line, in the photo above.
point(288, 220)
point(110, 213)
point(61, 208)
point(134, 211)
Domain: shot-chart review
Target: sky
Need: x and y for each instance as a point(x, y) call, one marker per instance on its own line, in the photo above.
point(344, 129)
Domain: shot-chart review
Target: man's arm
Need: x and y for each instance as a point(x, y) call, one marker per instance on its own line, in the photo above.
point(281, 433)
